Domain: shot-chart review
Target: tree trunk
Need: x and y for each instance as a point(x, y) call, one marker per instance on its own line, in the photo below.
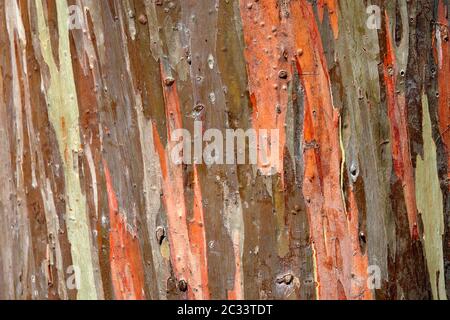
point(354, 96)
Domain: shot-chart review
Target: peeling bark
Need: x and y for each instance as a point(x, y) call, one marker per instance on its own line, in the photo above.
point(94, 207)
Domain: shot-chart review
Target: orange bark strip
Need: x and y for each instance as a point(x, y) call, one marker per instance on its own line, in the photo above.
point(188, 258)
point(267, 55)
point(127, 273)
point(297, 37)
point(176, 215)
point(334, 233)
point(399, 135)
point(322, 159)
point(443, 57)
point(197, 236)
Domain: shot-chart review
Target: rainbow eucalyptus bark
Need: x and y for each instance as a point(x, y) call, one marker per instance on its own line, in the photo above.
point(354, 205)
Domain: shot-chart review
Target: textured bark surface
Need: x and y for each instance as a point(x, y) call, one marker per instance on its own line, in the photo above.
point(92, 207)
